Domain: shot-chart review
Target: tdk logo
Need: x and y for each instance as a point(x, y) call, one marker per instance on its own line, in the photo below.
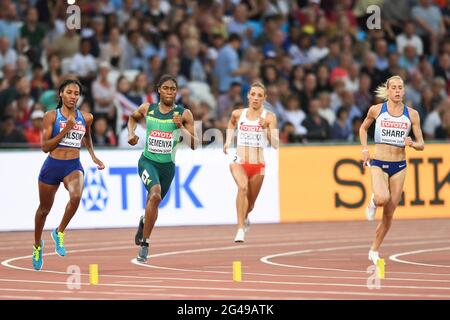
point(95, 193)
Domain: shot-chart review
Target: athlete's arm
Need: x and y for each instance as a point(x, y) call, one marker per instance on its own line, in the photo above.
point(415, 123)
point(48, 143)
point(87, 139)
point(186, 126)
point(273, 133)
point(370, 118)
point(133, 120)
point(232, 123)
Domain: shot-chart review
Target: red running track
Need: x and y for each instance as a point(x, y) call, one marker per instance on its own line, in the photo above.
point(326, 260)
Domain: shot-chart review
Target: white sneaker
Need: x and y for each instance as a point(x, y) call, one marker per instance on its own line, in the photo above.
point(240, 235)
point(374, 256)
point(371, 209)
point(246, 225)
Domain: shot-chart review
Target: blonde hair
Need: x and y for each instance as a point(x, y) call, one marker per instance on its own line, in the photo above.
point(382, 91)
point(258, 85)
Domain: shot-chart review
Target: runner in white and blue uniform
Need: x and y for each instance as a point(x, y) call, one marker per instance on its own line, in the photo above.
point(393, 122)
point(64, 131)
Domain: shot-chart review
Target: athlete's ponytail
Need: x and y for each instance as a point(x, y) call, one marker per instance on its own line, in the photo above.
point(382, 91)
point(64, 84)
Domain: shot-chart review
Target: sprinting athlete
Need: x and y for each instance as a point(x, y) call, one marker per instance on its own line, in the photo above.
point(64, 131)
point(393, 123)
point(254, 125)
point(166, 122)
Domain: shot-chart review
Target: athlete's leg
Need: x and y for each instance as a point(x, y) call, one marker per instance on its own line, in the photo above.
point(396, 183)
point(74, 183)
point(241, 179)
point(46, 198)
point(380, 186)
point(254, 186)
point(151, 209)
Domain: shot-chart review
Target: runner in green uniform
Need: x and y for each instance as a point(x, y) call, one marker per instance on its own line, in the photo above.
point(166, 122)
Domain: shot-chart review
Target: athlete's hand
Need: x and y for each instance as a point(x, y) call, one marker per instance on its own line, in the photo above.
point(100, 165)
point(263, 123)
point(366, 158)
point(408, 141)
point(133, 139)
point(225, 148)
point(70, 122)
point(177, 120)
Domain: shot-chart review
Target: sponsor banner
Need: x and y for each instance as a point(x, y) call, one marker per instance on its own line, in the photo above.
point(202, 192)
point(320, 183)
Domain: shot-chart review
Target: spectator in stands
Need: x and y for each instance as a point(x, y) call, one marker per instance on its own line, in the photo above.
point(191, 66)
point(7, 54)
point(84, 65)
point(363, 97)
point(227, 100)
point(32, 36)
point(54, 73)
point(294, 114)
point(409, 37)
point(112, 50)
point(433, 119)
point(240, 25)
point(309, 91)
point(102, 134)
point(10, 133)
point(430, 26)
point(340, 130)
point(66, 45)
point(20, 87)
point(443, 131)
point(38, 83)
point(317, 127)
point(33, 133)
point(10, 24)
point(103, 93)
point(442, 68)
point(227, 68)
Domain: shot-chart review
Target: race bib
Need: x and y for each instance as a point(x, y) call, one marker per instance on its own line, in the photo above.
point(393, 132)
point(74, 136)
point(251, 136)
point(160, 142)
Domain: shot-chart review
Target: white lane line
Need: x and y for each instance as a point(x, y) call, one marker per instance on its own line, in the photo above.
point(395, 258)
point(288, 283)
point(266, 259)
point(21, 297)
point(234, 289)
point(6, 262)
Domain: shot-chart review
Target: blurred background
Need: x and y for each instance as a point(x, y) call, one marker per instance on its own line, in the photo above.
point(318, 59)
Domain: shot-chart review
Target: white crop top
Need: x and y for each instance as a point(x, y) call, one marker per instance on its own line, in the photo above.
point(391, 130)
point(249, 132)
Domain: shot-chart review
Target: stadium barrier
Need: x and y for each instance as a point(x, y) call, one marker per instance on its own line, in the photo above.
point(203, 191)
point(302, 183)
point(328, 183)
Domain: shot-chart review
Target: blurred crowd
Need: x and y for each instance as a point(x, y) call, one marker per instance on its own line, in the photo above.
point(320, 60)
